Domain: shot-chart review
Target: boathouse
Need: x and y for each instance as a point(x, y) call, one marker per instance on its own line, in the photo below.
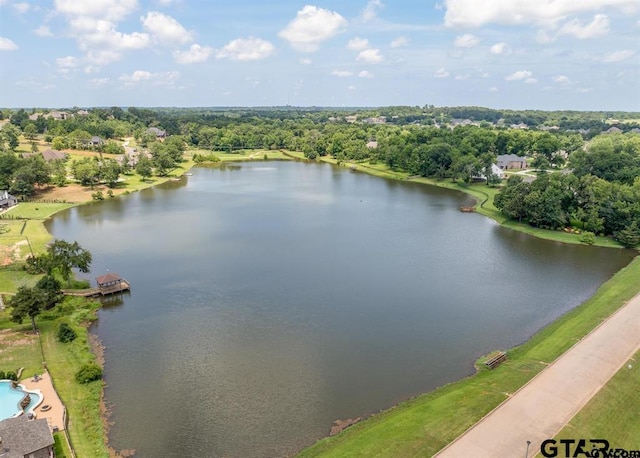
point(112, 283)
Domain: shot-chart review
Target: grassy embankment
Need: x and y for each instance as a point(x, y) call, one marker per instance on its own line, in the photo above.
point(425, 424)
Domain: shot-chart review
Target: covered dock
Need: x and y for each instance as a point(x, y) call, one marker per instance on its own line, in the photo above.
point(110, 283)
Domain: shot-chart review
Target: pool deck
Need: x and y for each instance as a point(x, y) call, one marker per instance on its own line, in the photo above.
point(55, 415)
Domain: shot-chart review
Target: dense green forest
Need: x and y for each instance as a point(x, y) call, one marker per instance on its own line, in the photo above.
point(583, 168)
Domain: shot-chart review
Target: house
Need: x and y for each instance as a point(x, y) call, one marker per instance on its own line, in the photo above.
point(24, 438)
point(375, 120)
point(613, 130)
point(58, 115)
point(495, 170)
point(95, 141)
point(372, 144)
point(7, 201)
point(511, 161)
point(158, 133)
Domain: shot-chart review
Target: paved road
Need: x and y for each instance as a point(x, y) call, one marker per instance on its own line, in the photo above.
point(543, 406)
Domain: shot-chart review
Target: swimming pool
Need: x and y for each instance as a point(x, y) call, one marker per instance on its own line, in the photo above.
point(10, 399)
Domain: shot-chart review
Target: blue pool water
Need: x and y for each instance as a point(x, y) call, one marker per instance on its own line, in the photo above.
point(10, 398)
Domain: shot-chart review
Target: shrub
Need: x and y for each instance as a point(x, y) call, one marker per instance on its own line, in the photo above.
point(110, 193)
point(97, 195)
point(588, 238)
point(66, 333)
point(88, 373)
point(2, 375)
point(11, 376)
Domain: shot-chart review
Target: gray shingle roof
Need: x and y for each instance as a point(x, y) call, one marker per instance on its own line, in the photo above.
point(21, 436)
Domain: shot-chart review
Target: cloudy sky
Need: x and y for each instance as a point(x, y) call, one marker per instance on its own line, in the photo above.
point(543, 54)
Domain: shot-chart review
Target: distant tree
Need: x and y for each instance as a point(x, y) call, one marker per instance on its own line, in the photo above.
point(629, 236)
point(30, 131)
point(110, 172)
point(10, 135)
point(144, 167)
point(27, 302)
point(58, 173)
point(59, 143)
point(86, 171)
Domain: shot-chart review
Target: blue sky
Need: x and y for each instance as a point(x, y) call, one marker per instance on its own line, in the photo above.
point(539, 54)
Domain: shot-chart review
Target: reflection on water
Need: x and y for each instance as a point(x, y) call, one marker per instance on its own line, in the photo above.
point(270, 299)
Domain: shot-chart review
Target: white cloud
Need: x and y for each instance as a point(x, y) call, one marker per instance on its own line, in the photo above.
point(341, 73)
point(99, 81)
point(365, 74)
point(467, 13)
point(312, 26)
point(584, 90)
point(165, 28)
point(399, 42)
point(7, 45)
point(501, 49)
point(109, 10)
point(43, 31)
point(531, 81)
point(599, 27)
point(195, 54)
point(462, 77)
point(519, 75)
point(370, 11)
point(136, 77)
point(618, 56)
point(357, 43)
point(246, 49)
point(441, 73)
point(466, 41)
point(493, 89)
point(370, 56)
point(65, 64)
point(561, 79)
point(105, 36)
point(103, 57)
point(21, 7)
point(305, 61)
point(352, 88)
point(157, 79)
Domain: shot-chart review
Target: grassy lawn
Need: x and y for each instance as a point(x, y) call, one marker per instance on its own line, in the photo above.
point(422, 426)
point(19, 347)
point(63, 361)
point(612, 414)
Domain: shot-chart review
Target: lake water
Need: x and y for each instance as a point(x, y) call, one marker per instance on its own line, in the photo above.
point(270, 299)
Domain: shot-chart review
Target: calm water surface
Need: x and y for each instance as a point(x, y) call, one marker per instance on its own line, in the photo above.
point(270, 299)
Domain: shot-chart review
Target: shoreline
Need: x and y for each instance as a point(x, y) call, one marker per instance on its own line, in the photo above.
point(98, 353)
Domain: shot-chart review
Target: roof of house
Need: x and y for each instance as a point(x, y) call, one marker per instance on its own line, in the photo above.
point(157, 132)
point(53, 155)
point(21, 436)
point(96, 139)
point(108, 278)
point(510, 158)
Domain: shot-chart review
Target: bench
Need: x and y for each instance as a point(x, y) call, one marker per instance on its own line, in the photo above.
point(496, 360)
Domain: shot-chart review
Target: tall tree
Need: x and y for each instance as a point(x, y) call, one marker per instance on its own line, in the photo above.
point(66, 256)
point(27, 302)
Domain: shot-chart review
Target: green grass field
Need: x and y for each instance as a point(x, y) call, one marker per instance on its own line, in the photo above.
point(424, 425)
point(612, 414)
